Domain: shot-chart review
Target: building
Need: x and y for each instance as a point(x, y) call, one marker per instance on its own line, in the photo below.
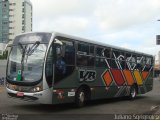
point(15, 18)
point(4, 24)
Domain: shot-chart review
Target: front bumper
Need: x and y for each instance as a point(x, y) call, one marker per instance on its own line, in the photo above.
point(44, 97)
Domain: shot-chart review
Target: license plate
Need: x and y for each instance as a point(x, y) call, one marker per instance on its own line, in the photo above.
point(20, 94)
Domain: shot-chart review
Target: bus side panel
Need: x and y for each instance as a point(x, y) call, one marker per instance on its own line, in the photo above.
point(63, 96)
point(100, 88)
point(107, 88)
point(147, 82)
point(64, 90)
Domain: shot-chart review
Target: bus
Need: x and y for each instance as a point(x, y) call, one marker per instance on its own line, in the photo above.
point(55, 68)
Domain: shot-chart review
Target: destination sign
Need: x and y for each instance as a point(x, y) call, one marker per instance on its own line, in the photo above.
point(32, 38)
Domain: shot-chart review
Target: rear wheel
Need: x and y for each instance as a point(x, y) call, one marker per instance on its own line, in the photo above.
point(80, 97)
point(133, 92)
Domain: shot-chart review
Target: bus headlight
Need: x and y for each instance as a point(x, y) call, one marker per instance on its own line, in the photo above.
point(37, 89)
point(10, 86)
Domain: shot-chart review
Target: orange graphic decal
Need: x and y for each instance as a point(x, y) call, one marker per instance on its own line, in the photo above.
point(144, 75)
point(138, 77)
point(118, 77)
point(128, 76)
point(107, 78)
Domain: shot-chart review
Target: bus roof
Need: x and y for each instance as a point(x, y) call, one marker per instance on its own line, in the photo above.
point(91, 42)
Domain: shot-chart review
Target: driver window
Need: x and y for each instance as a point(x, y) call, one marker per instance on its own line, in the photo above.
point(65, 59)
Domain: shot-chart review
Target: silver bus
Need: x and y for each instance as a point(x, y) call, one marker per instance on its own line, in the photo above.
point(54, 68)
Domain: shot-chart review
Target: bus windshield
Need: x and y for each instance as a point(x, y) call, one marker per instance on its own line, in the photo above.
point(32, 67)
point(25, 63)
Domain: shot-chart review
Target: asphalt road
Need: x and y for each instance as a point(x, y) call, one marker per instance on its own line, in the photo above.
point(144, 104)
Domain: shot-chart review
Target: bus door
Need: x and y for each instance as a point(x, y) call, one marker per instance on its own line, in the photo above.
point(64, 65)
point(60, 66)
point(53, 57)
point(64, 61)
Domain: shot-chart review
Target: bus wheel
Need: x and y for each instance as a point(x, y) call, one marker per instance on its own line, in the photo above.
point(133, 92)
point(80, 98)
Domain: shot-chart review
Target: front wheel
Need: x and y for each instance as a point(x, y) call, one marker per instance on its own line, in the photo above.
point(133, 92)
point(80, 98)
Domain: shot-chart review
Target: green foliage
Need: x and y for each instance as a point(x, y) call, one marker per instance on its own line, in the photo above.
point(4, 56)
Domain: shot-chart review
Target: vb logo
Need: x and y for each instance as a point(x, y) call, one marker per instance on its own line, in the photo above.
point(87, 75)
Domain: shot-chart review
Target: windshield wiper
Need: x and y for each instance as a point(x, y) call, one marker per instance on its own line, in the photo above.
point(27, 52)
point(32, 48)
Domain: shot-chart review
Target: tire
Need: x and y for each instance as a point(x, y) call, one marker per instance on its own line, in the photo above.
point(133, 92)
point(80, 97)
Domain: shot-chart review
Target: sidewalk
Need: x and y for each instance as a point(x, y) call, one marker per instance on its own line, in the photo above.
point(3, 68)
point(1, 88)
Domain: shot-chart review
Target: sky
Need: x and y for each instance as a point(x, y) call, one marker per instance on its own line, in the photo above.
point(132, 24)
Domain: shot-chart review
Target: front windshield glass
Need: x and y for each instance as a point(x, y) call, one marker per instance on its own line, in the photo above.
point(32, 63)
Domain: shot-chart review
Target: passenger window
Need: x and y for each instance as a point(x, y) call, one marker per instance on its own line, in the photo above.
point(83, 49)
point(99, 51)
point(144, 61)
point(140, 62)
point(85, 55)
point(133, 61)
point(115, 54)
point(148, 61)
point(148, 64)
point(121, 64)
point(107, 53)
point(91, 50)
point(128, 59)
point(69, 52)
point(100, 58)
point(114, 60)
point(121, 59)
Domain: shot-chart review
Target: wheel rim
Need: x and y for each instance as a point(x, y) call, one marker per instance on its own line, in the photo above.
point(133, 93)
point(81, 97)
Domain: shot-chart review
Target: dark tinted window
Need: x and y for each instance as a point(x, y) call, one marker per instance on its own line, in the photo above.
point(100, 59)
point(83, 48)
point(91, 50)
point(107, 53)
point(85, 54)
point(69, 52)
point(99, 51)
point(149, 63)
